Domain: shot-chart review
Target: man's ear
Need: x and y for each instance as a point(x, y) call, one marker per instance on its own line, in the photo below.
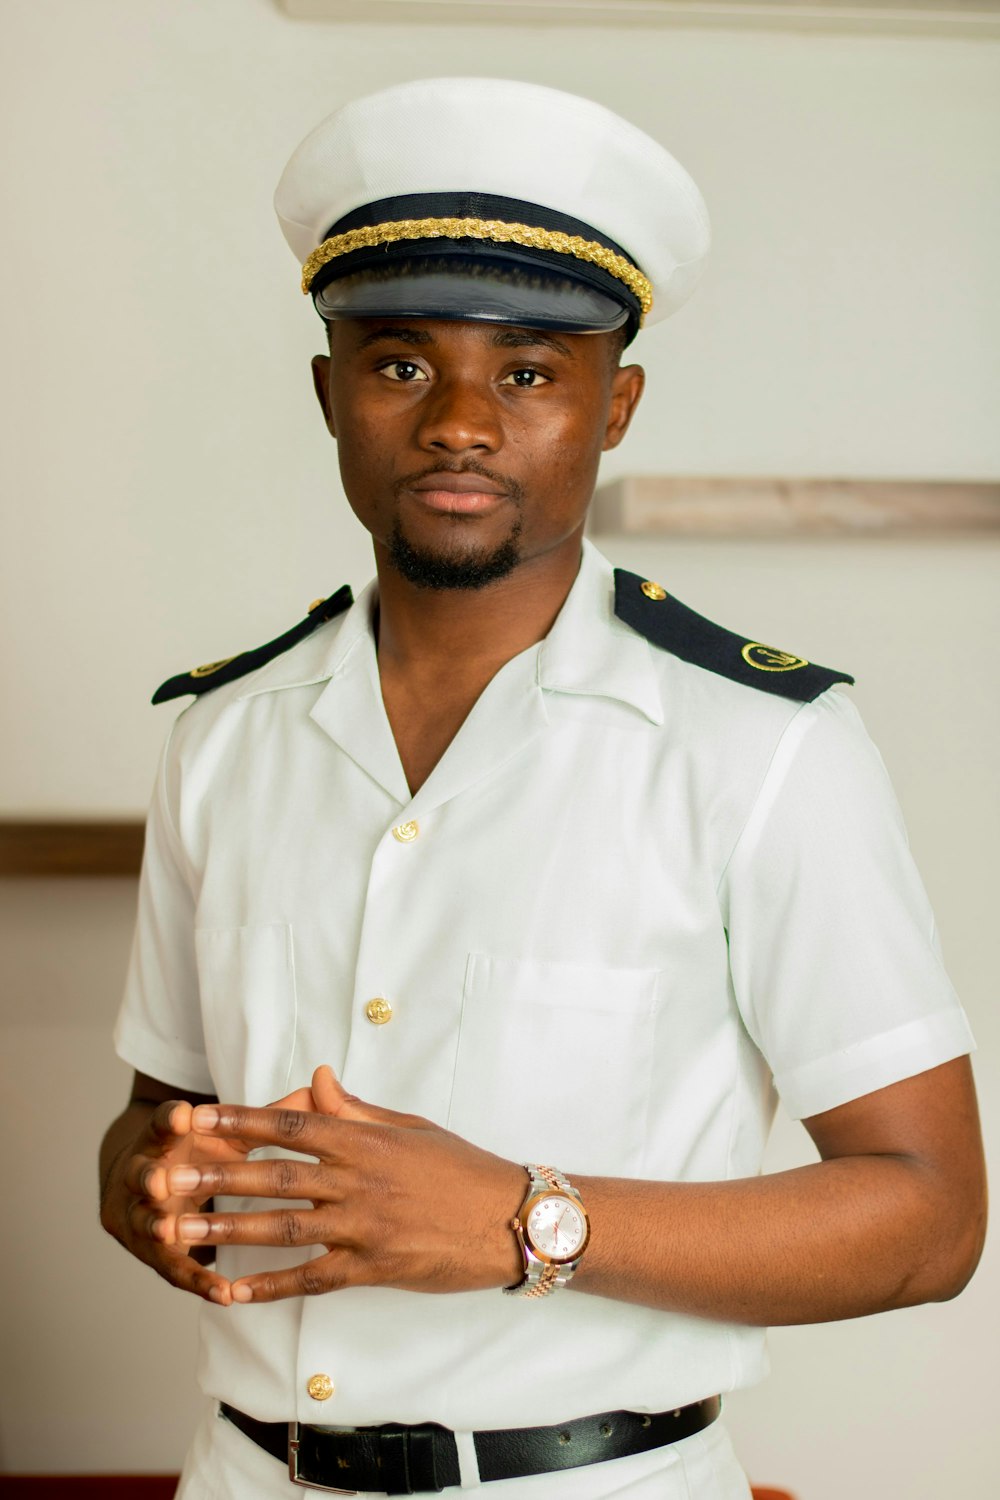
point(321, 385)
point(627, 385)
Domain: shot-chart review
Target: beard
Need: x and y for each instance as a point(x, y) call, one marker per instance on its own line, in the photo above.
point(438, 570)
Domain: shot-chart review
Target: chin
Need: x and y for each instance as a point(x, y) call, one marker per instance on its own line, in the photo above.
point(447, 568)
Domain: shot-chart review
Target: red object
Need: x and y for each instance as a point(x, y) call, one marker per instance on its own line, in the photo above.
point(88, 1486)
point(147, 1487)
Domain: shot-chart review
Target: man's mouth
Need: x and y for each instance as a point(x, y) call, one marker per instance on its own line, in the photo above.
point(457, 493)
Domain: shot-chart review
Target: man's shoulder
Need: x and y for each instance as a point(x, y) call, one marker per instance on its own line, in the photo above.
point(648, 608)
point(217, 674)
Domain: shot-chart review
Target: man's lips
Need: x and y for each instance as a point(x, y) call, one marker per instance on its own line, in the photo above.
point(458, 494)
point(459, 483)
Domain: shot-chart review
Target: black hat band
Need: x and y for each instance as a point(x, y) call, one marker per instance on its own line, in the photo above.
point(393, 222)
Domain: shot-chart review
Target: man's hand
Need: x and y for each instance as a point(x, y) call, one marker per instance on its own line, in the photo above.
point(396, 1201)
point(138, 1206)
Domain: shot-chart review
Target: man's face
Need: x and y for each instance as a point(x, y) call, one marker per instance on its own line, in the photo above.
point(471, 449)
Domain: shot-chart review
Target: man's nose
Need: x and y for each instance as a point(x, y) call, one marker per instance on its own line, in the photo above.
point(460, 415)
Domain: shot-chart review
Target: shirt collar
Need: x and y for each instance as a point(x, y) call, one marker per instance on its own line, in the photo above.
point(589, 651)
point(320, 656)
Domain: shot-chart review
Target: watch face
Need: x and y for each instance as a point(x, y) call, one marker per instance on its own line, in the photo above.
point(556, 1227)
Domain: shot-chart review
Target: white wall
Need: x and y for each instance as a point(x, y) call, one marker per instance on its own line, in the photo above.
point(171, 489)
point(172, 498)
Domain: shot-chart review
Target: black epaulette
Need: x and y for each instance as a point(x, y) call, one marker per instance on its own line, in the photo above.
point(665, 621)
point(215, 673)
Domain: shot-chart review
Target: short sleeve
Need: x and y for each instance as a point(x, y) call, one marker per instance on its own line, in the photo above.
point(834, 955)
point(159, 1030)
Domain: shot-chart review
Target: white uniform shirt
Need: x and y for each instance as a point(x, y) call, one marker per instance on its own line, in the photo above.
point(637, 891)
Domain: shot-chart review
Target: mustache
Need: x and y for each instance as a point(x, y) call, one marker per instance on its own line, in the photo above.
point(506, 482)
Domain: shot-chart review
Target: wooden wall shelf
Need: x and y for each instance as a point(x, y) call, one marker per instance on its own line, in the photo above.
point(661, 505)
point(70, 848)
point(970, 18)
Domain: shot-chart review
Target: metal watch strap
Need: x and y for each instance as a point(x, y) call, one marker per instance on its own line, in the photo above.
point(541, 1277)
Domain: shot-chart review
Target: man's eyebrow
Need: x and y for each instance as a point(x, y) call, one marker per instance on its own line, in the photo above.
point(524, 338)
point(402, 335)
point(502, 338)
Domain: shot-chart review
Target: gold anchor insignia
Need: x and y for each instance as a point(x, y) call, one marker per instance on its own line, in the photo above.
point(210, 667)
point(767, 659)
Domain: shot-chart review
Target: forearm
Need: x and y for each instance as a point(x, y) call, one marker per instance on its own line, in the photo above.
point(838, 1239)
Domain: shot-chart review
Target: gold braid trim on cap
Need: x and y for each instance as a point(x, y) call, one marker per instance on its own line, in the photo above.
point(481, 229)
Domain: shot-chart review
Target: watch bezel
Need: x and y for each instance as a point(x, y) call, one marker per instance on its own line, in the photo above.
point(543, 1255)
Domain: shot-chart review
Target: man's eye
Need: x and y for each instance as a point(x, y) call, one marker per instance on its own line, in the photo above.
point(403, 370)
point(526, 379)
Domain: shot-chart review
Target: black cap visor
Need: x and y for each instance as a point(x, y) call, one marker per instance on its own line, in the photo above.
point(491, 289)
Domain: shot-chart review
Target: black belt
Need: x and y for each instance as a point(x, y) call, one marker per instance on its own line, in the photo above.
point(397, 1460)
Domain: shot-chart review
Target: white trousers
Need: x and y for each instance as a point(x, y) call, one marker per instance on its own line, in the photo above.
point(223, 1464)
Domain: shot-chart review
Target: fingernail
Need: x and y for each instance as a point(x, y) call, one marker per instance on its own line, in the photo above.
point(216, 1294)
point(184, 1179)
point(242, 1293)
point(205, 1117)
point(192, 1229)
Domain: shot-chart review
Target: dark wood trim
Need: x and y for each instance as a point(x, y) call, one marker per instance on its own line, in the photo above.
point(141, 1487)
point(71, 848)
point(144, 1487)
point(88, 1486)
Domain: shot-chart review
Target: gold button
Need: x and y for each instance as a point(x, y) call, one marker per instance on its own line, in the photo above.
point(654, 591)
point(314, 606)
point(405, 833)
point(320, 1387)
point(378, 1011)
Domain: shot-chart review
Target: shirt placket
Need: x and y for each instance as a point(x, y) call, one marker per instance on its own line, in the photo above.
point(406, 1001)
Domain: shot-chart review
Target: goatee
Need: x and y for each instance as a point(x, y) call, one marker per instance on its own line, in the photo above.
point(432, 570)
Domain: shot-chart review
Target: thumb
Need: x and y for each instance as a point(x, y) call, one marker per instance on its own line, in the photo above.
point(324, 1096)
point(300, 1099)
point(333, 1099)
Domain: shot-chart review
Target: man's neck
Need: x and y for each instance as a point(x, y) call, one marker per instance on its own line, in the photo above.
point(425, 630)
point(438, 649)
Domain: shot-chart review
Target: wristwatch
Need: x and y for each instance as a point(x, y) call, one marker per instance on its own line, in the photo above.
point(552, 1230)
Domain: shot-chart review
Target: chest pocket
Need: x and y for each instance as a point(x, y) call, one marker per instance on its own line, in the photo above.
point(554, 1063)
point(247, 979)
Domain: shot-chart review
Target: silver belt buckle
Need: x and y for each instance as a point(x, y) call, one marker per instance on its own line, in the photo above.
point(293, 1467)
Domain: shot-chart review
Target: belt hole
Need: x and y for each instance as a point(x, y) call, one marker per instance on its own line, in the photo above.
point(564, 1437)
point(647, 1421)
point(605, 1429)
point(677, 1412)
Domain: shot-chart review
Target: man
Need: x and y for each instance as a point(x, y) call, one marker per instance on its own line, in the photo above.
point(516, 884)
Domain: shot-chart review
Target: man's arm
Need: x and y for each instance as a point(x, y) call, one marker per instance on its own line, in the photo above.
point(893, 1215)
